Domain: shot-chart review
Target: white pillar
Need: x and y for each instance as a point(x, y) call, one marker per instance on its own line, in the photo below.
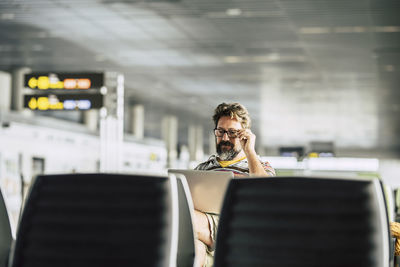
point(195, 141)
point(18, 87)
point(5, 91)
point(91, 119)
point(170, 136)
point(199, 143)
point(184, 157)
point(137, 121)
point(112, 124)
point(192, 142)
point(211, 144)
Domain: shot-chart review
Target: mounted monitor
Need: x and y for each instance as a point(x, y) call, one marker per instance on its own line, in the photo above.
point(63, 101)
point(63, 81)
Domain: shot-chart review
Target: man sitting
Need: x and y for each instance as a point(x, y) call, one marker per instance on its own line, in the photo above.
point(235, 145)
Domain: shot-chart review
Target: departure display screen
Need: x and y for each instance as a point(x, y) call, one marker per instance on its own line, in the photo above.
point(63, 102)
point(64, 81)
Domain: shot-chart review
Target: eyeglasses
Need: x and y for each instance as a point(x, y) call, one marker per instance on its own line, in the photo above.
point(220, 132)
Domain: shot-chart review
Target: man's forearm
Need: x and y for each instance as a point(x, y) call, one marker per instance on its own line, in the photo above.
point(202, 228)
point(255, 166)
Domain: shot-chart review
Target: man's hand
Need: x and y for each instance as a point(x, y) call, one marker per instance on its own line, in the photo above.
point(247, 140)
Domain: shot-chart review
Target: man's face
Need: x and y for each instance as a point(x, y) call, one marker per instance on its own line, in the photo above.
point(227, 146)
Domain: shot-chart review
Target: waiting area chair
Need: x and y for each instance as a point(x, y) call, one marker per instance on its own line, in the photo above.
point(299, 221)
point(186, 237)
point(85, 220)
point(6, 238)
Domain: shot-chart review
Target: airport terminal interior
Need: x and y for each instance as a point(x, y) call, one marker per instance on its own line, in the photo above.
point(97, 93)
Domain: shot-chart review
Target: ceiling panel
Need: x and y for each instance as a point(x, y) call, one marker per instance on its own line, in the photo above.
point(197, 29)
point(306, 69)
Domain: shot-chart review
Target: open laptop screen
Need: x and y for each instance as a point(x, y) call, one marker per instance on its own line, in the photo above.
point(207, 188)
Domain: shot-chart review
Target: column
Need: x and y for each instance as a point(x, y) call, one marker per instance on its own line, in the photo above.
point(211, 144)
point(17, 102)
point(5, 91)
point(90, 119)
point(112, 124)
point(170, 136)
point(137, 121)
point(195, 141)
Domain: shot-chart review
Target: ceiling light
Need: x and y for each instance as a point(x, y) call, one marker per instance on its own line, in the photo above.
point(270, 58)
point(232, 59)
point(298, 84)
point(7, 16)
point(389, 68)
point(359, 29)
point(37, 47)
point(343, 29)
point(42, 35)
point(263, 14)
point(193, 100)
point(100, 58)
point(350, 29)
point(274, 56)
point(5, 48)
point(387, 29)
point(234, 12)
point(103, 90)
point(315, 30)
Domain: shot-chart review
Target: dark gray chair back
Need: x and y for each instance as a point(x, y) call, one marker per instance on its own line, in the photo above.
point(186, 247)
point(94, 220)
point(5, 232)
point(298, 221)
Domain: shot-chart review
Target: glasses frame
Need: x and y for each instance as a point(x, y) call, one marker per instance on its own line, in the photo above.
point(225, 131)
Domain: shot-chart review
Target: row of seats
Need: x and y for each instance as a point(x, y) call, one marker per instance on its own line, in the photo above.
point(126, 220)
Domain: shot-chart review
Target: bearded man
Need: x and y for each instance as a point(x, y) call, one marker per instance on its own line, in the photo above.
point(235, 144)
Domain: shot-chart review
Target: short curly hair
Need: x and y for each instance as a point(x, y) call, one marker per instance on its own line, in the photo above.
point(233, 110)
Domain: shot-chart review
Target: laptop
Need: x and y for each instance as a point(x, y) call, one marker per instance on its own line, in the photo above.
point(207, 188)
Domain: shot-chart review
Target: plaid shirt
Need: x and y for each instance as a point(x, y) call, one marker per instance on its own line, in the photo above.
point(239, 168)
